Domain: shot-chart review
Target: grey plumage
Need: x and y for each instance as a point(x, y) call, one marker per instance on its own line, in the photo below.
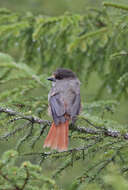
point(64, 99)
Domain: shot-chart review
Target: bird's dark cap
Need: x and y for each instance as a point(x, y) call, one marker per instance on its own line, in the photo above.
point(62, 73)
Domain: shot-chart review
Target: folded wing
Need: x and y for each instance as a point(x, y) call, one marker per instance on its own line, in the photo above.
point(57, 109)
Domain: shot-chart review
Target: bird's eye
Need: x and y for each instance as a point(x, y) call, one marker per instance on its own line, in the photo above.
point(59, 77)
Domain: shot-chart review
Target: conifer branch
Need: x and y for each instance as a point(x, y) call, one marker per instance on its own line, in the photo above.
point(9, 181)
point(46, 154)
point(43, 127)
point(116, 5)
point(102, 164)
point(26, 179)
point(37, 120)
point(29, 134)
point(32, 119)
point(7, 135)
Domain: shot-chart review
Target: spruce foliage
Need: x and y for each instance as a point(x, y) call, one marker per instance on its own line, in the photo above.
point(31, 47)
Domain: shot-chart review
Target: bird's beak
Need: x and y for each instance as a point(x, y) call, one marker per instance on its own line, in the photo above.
point(52, 78)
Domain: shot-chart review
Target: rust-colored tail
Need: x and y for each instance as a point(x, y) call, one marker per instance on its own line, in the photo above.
point(57, 137)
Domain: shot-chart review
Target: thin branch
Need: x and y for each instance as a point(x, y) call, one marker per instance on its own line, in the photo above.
point(36, 120)
point(47, 154)
point(115, 5)
point(26, 179)
point(106, 132)
point(8, 180)
point(38, 137)
point(104, 163)
point(32, 119)
point(14, 131)
point(85, 130)
point(29, 134)
point(76, 158)
point(93, 125)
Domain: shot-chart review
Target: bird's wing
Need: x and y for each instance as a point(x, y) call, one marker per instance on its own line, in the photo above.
point(75, 106)
point(57, 108)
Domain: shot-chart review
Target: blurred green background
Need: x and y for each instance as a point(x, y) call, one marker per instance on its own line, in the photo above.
point(50, 7)
point(53, 7)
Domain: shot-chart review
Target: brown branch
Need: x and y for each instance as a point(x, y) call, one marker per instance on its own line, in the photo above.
point(36, 120)
point(85, 130)
point(32, 119)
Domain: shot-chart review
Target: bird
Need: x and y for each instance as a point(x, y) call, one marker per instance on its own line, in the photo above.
point(64, 106)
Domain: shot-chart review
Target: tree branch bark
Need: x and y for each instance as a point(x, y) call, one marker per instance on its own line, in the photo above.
point(86, 130)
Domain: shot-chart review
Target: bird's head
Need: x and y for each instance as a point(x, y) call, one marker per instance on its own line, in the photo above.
point(61, 73)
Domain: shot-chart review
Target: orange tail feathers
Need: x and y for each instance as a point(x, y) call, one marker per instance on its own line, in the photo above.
point(57, 137)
